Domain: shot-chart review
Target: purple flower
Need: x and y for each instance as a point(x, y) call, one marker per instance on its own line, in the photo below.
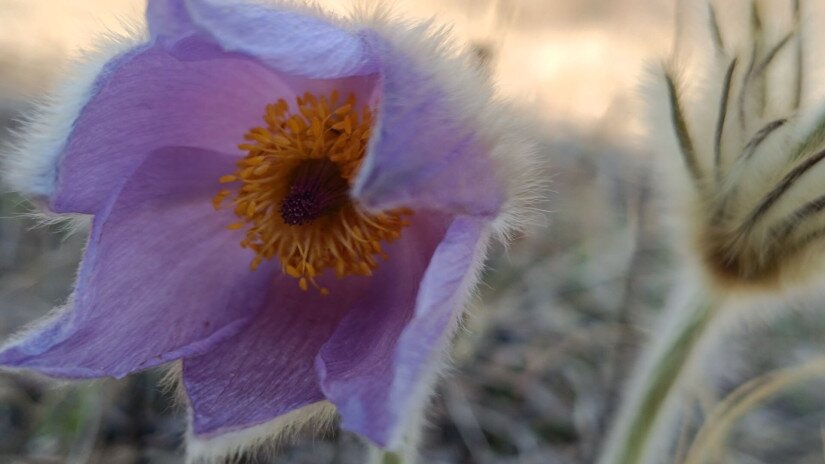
point(295, 206)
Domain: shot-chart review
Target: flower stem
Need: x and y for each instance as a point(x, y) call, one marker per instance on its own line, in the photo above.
point(376, 455)
point(656, 381)
point(392, 458)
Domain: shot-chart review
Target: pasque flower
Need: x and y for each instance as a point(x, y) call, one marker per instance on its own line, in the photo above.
point(294, 205)
point(748, 141)
point(740, 130)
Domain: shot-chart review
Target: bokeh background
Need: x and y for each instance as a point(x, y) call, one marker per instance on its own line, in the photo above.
point(540, 367)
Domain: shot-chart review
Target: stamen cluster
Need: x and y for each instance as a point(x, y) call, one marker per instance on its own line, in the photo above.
point(292, 191)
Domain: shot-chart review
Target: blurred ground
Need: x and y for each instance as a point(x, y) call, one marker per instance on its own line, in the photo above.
point(541, 363)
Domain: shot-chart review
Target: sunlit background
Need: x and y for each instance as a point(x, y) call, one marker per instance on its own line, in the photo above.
point(540, 367)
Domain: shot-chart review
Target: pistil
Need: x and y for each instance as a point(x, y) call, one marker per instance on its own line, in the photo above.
point(317, 189)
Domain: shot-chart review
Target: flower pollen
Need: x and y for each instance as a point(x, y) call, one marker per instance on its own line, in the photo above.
point(292, 193)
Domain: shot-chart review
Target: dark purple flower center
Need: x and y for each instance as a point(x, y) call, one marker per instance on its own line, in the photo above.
point(317, 189)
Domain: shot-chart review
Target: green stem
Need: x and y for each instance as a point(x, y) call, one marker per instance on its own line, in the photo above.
point(392, 458)
point(656, 382)
point(377, 455)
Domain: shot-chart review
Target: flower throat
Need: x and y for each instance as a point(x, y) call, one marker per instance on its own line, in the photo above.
point(292, 187)
point(317, 189)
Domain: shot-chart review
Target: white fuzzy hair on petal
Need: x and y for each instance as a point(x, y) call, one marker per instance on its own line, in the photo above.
point(33, 327)
point(315, 418)
point(30, 159)
point(266, 438)
point(408, 434)
point(508, 134)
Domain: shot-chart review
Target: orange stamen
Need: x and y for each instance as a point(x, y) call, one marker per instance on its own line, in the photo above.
point(292, 192)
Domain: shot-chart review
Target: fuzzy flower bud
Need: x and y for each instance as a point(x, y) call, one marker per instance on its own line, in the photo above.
point(747, 145)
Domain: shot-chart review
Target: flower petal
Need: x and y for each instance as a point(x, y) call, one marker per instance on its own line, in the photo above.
point(316, 418)
point(148, 99)
point(162, 277)
point(268, 369)
point(168, 19)
point(288, 39)
point(429, 151)
point(379, 363)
